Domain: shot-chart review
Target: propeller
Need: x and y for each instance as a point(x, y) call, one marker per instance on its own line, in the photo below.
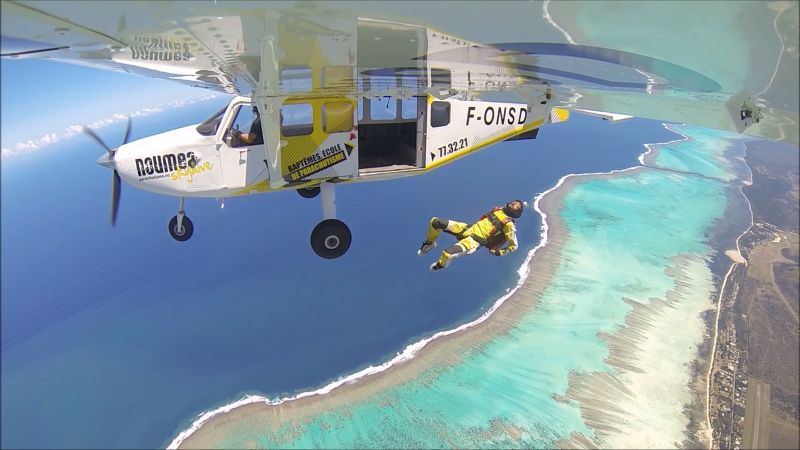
point(109, 162)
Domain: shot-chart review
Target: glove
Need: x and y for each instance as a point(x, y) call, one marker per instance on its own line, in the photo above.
point(495, 252)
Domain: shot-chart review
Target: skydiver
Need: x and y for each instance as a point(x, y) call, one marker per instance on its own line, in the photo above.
point(492, 230)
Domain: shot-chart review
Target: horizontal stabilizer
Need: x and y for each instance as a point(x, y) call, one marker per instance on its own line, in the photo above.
point(611, 117)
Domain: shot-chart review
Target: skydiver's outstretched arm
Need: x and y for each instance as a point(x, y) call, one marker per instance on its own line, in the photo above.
point(510, 231)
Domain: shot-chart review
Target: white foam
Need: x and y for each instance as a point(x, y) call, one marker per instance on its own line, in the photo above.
point(408, 353)
point(651, 147)
point(548, 18)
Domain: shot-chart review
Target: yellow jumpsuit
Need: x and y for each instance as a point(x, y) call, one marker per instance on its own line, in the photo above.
point(471, 237)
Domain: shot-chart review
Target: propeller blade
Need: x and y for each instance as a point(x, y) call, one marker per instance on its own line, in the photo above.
point(97, 139)
point(115, 193)
point(127, 132)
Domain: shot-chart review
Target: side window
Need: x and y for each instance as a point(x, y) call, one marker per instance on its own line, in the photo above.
point(408, 106)
point(244, 118)
point(296, 79)
point(245, 123)
point(440, 114)
point(383, 108)
point(337, 117)
point(297, 119)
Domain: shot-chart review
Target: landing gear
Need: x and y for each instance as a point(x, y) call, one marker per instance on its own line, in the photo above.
point(331, 238)
point(181, 227)
point(309, 192)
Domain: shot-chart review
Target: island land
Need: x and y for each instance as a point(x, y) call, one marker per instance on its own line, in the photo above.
point(753, 395)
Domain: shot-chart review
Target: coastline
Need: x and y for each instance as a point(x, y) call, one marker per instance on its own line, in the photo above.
point(442, 349)
point(710, 346)
point(535, 276)
point(648, 158)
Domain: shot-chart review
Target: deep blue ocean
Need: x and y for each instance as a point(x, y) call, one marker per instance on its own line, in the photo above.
point(119, 337)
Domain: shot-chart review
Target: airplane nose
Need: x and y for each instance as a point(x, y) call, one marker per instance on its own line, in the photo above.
point(106, 161)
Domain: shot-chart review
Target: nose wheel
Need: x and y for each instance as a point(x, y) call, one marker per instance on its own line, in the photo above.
point(181, 227)
point(184, 231)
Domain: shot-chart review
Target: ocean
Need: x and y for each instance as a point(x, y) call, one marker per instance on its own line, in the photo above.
point(121, 337)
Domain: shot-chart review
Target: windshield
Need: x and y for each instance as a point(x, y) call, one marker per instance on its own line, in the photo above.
point(209, 127)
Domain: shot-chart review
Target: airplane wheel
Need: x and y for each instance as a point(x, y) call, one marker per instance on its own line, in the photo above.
point(309, 192)
point(186, 233)
point(330, 238)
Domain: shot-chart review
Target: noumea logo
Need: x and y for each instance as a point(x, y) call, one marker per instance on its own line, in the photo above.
point(175, 166)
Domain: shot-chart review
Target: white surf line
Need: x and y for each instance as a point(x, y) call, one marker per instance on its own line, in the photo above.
point(407, 354)
point(651, 146)
point(411, 350)
point(547, 17)
point(573, 99)
point(650, 81)
point(719, 307)
point(780, 54)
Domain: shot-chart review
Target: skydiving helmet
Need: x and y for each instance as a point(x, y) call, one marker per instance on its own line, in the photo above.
point(514, 208)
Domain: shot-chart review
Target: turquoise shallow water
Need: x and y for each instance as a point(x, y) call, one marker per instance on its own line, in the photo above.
point(640, 238)
point(704, 156)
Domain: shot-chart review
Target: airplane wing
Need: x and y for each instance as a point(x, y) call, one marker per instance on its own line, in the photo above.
point(726, 65)
point(748, 49)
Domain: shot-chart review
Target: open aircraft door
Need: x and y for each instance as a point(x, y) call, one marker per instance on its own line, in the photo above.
point(306, 96)
point(459, 127)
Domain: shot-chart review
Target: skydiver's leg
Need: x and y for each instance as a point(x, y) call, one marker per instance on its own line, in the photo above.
point(438, 225)
point(466, 246)
point(435, 228)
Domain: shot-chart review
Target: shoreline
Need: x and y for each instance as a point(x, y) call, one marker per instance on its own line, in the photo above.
point(736, 258)
point(411, 362)
point(533, 280)
point(647, 159)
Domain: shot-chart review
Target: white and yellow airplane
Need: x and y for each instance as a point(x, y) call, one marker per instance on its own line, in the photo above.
point(341, 97)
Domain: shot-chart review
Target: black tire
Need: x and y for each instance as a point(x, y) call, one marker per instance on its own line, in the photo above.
point(188, 229)
point(331, 238)
point(309, 192)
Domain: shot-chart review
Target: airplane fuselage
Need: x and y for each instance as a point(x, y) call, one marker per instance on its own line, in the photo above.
point(187, 163)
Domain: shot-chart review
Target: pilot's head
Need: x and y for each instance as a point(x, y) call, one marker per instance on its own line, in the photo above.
point(514, 208)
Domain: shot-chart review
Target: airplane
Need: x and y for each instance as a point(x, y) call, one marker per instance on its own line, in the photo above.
point(339, 96)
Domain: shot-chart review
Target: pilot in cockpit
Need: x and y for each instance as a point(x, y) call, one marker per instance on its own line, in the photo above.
point(255, 135)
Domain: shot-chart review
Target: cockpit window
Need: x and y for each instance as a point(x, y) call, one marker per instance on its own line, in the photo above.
point(209, 127)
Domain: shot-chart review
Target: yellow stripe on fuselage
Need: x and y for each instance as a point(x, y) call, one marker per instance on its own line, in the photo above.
point(501, 137)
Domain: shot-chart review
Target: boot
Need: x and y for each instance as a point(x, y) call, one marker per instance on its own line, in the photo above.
point(426, 247)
